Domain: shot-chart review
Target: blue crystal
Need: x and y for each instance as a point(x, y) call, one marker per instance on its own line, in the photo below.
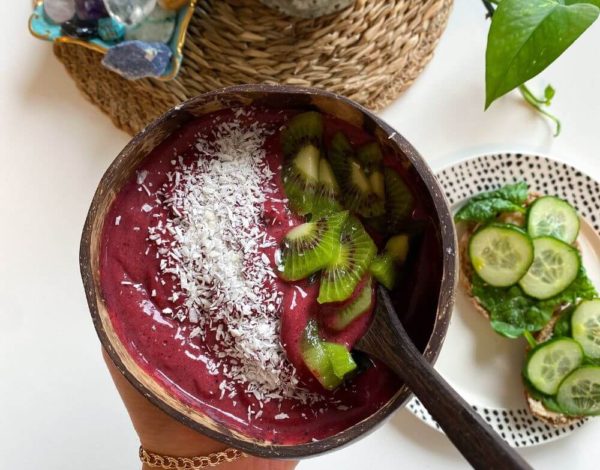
point(110, 30)
point(138, 59)
point(90, 9)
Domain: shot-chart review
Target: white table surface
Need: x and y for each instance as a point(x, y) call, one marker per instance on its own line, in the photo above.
point(59, 409)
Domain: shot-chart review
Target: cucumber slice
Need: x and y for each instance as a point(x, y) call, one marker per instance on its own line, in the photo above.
point(585, 327)
point(549, 363)
point(554, 268)
point(552, 217)
point(501, 254)
point(579, 393)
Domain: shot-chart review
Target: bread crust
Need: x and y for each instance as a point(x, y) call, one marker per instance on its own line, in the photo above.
point(536, 407)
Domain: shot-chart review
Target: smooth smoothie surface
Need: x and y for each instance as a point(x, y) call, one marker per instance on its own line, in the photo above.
point(137, 297)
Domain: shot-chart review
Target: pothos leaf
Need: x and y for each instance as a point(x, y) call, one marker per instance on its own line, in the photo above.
point(591, 2)
point(549, 93)
point(528, 35)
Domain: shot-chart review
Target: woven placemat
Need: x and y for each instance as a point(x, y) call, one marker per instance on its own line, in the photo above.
point(369, 52)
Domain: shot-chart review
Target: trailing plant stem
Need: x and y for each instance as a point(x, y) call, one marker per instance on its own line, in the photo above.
point(537, 104)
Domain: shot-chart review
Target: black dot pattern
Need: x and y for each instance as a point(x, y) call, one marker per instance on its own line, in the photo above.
point(518, 427)
point(544, 175)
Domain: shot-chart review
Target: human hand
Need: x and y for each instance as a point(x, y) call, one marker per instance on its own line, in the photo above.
point(160, 433)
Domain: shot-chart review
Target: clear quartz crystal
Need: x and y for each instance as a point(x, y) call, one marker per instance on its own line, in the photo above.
point(130, 12)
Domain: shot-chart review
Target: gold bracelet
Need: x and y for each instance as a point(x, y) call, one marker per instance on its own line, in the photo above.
point(189, 463)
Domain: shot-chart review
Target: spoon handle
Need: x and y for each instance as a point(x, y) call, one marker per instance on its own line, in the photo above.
point(477, 442)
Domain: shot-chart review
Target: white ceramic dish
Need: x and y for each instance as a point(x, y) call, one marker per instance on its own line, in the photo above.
point(481, 365)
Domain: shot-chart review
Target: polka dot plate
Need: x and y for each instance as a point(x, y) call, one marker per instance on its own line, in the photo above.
point(484, 367)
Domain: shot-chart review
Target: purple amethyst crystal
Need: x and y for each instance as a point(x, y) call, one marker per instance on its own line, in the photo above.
point(90, 9)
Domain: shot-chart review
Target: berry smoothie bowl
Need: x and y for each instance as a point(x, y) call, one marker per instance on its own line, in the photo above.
point(230, 259)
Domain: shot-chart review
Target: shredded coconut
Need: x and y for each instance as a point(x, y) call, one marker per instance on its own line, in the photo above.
point(141, 176)
point(301, 291)
point(210, 244)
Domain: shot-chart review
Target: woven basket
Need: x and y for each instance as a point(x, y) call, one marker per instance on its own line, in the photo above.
point(369, 52)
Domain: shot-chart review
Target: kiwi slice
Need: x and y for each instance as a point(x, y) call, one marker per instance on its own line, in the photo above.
point(328, 362)
point(399, 198)
point(382, 267)
point(340, 358)
point(360, 306)
point(328, 193)
point(397, 248)
point(301, 179)
point(377, 183)
point(310, 247)
point(302, 129)
point(339, 153)
point(349, 263)
point(316, 358)
point(358, 193)
point(370, 156)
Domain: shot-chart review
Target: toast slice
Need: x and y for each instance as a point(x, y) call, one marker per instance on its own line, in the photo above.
point(536, 407)
point(466, 272)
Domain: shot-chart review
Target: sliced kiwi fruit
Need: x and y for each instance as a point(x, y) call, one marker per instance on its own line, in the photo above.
point(370, 156)
point(311, 246)
point(384, 266)
point(377, 182)
point(327, 194)
point(379, 224)
point(316, 358)
point(301, 179)
point(361, 305)
point(357, 187)
point(302, 129)
point(383, 269)
point(399, 199)
point(397, 248)
point(328, 362)
point(340, 358)
point(339, 153)
point(349, 263)
point(358, 193)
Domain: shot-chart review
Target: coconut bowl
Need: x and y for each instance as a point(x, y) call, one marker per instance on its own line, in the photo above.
point(430, 289)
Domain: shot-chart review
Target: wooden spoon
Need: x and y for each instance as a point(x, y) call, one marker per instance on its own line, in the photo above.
point(388, 341)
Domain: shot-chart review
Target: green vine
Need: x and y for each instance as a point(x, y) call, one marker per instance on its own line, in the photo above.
point(525, 37)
